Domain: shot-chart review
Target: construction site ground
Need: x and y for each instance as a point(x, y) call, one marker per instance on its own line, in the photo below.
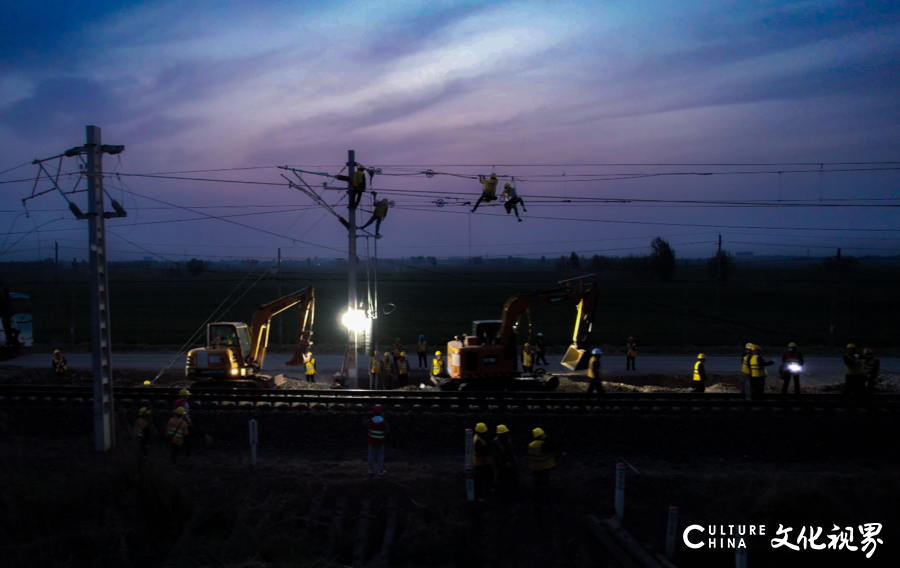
point(66, 506)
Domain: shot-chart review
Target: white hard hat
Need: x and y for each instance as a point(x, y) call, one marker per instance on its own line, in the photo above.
point(597, 351)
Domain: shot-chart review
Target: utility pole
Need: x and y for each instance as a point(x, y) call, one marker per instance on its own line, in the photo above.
point(352, 363)
point(278, 269)
point(56, 277)
point(375, 280)
point(837, 273)
point(718, 276)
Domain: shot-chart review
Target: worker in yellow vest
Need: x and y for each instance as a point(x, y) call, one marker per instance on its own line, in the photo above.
point(422, 351)
point(745, 370)
point(357, 184)
point(402, 370)
point(488, 190)
point(527, 359)
point(700, 374)
point(438, 369)
point(396, 349)
point(871, 366)
point(381, 210)
point(540, 459)
point(310, 367)
point(595, 372)
point(484, 475)
point(142, 431)
point(60, 367)
point(630, 354)
point(176, 432)
point(374, 370)
point(758, 374)
point(854, 380)
point(386, 371)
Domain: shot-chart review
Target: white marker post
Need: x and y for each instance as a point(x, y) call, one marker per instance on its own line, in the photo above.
point(620, 490)
point(470, 469)
point(254, 439)
point(740, 557)
point(671, 532)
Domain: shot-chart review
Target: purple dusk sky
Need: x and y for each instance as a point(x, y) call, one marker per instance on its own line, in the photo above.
point(531, 88)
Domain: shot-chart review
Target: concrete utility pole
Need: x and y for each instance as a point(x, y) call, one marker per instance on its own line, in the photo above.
point(278, 269)
point(718, 276)
point(56, 278)
point(352, 362)
point(834, 299)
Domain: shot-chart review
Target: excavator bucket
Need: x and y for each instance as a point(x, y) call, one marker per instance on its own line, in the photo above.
point(297, 358)
point(575, 359)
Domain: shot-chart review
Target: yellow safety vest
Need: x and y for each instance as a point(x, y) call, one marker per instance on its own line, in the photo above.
point(490, 187)
point(745, 364)
point(140, 427)
point(591, 373)
point(632, 349)
point(423, 347)
point(527, 358)
point(479, 451)
point(537, 459)
point(756, 368)
point(176, 430)
point(397, 349)
point(869, 365)
point(381, 209)
point(402, 366)
point(311, 367)
point(375, 368)
point(437, 365)
point(385, 366)
point(855, 369)
point(359, 179)
point(697, 370)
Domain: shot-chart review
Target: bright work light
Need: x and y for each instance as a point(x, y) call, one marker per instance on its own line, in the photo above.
point(354, 320)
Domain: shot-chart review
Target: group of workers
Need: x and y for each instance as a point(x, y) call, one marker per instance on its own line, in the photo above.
point(382, 369)
point(510, 197)
point(494, 458)
point(177, 432)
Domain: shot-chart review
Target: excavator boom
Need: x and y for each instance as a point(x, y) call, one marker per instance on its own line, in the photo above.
point(262, 320)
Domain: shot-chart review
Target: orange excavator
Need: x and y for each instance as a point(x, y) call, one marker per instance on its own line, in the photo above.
point(489, 359)
point(235, 353)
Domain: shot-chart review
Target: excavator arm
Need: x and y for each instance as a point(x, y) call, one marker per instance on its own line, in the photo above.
point(262, 320)
point(575, 291)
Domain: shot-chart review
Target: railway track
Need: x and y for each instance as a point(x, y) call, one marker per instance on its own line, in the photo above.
point(287, 400)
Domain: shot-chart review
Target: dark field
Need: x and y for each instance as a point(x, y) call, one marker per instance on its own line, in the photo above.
point(770, 304)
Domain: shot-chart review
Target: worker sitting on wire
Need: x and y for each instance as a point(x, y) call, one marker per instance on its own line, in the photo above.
point(488, 192)
point(357, 184)
point(511, 199)
point(381, 209)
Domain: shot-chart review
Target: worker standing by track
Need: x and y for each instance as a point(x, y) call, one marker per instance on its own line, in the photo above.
point(541, 350)
point(178, 433)
point(700, 374)
point(310, 367)
point(402, 370)
point(142, 431)
point(527, 359)
point(374, 370)
point(758, 374)
point(791, 360)
point(505, 461)
point(484, 475)
point(422, 350)
point(60, 365)
point(745, 369)
point(871, 366)
point(378, 430)
point(386, 371)
point(396, 349)
point(854, 381)
point(488, 190)
point(595, 372)
point(540, 460)
point(630, 354)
